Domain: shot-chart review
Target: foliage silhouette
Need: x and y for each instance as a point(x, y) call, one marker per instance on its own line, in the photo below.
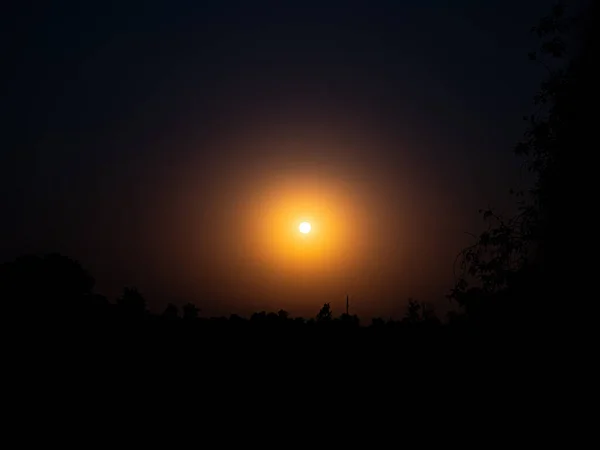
point(190, 311)
point(520, 263)
point(324, 314)
point(171, 312)
point(413, 313)
point(350, 320)
point(131, 303)
point(50, 284)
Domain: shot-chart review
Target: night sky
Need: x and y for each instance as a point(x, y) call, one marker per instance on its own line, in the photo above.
point(175, 146)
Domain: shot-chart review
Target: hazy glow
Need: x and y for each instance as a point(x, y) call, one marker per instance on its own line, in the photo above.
point(373, 235)
point(304, 227)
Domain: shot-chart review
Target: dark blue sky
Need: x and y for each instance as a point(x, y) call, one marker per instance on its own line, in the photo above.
point(108, 105)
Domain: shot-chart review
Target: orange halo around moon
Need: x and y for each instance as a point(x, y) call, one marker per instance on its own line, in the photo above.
point(301, 225)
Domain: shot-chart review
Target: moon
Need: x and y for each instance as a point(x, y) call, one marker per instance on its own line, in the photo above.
point(304, 227)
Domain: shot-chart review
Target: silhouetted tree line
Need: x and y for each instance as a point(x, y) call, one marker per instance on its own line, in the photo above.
point(55, 287)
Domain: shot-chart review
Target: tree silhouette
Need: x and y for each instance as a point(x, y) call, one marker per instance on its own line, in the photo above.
point(428, 314)
point(190, 311)
point(324, 314)
point(523, 258)
point(259, 316)
point(132, 303)
point(350, 320)
point(413, 312)
point(170, 312)
point(51, 284)
point(420, 313)
point(377, 323)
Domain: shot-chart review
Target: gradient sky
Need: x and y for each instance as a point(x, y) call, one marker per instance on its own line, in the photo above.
point(172, 145)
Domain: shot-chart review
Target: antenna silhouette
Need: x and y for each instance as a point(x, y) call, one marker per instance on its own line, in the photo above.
point(347, 304)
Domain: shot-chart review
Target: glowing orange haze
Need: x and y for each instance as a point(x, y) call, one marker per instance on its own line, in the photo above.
point(276, 265)
point(226, 232)
point(275, 239)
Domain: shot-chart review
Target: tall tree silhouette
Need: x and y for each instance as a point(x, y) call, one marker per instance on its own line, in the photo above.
point(526, 258)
